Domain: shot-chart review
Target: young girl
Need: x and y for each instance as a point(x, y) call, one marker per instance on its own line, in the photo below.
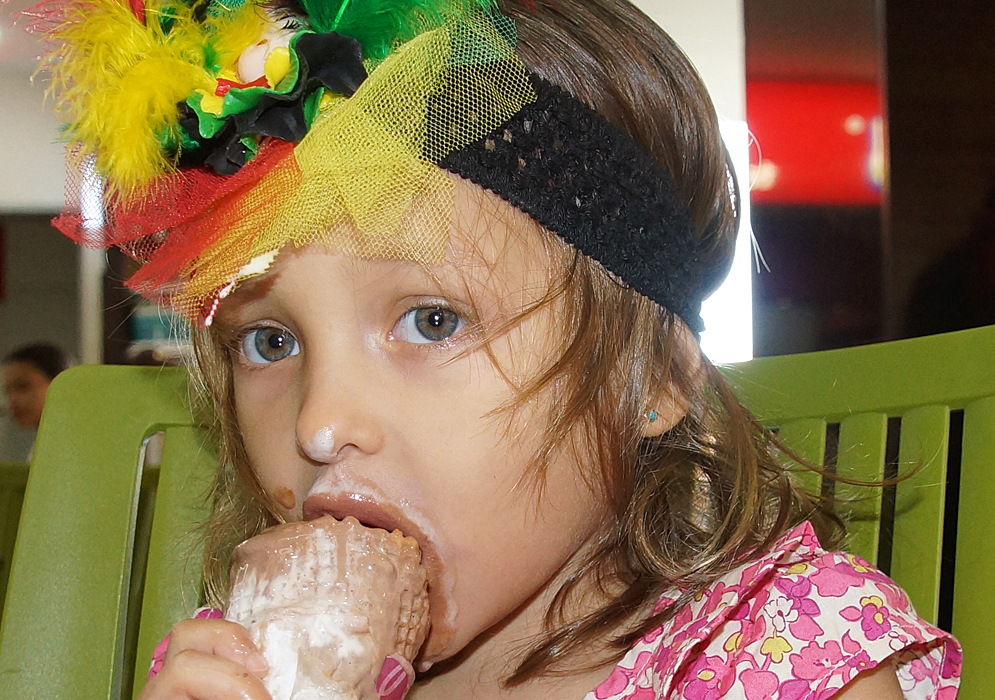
point(445, 262)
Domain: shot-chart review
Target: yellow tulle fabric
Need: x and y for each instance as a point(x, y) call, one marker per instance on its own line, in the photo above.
point(369, 184)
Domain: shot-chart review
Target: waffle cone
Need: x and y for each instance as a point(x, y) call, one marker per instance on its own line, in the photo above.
point(327, 601)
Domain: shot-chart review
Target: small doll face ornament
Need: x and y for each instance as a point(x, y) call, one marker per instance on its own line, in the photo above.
point(359, 388)
point(269, 57)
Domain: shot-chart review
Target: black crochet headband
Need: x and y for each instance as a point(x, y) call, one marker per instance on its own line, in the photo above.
point(567, 167)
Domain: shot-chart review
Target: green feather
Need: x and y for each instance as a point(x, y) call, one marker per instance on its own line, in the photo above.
point(381, 25)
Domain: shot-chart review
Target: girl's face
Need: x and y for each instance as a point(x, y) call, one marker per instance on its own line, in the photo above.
point(356, 395)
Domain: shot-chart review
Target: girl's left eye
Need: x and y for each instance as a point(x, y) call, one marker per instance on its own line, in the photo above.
point(263, 346)
point(431, 324)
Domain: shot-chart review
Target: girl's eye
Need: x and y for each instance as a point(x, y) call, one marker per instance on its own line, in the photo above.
point(431, 324)
point(264, 346)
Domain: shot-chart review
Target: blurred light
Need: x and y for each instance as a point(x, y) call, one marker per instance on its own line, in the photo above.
point(763, 177)
point(728, 312)
point(91, 200)
point(877, 166)
point(855, 125)
point(92, 265)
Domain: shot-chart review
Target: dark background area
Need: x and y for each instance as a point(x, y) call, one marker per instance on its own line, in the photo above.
point(923, 259)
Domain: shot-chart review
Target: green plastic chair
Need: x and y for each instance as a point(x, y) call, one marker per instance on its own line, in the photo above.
point(81, 604)
point(928, 390)
point(13, 478)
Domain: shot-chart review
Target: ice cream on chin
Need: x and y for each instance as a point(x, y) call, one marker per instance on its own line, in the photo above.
point(327, 601)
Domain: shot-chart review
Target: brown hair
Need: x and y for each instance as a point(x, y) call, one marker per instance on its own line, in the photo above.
point(687, 506)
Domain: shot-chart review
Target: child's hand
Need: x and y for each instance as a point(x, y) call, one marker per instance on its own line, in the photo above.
point(209, 659)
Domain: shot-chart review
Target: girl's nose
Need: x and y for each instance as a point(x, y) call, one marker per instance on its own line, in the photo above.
point(336, 421)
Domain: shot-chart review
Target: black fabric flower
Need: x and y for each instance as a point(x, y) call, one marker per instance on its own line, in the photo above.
point(329, 60)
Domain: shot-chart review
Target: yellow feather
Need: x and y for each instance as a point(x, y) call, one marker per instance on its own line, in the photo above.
point(117, 82)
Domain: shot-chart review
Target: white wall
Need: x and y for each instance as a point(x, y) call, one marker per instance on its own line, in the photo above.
point(32, 169)
point(712, 35)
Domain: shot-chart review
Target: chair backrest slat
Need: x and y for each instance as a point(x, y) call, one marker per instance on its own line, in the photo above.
point(13, 478)
point(950, 369)
point(173, 576)
point(863, 440)
point(807, 439)
point(917, 543)
point(974, 604)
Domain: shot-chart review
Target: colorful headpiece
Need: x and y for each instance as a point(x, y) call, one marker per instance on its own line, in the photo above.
point(226, 129)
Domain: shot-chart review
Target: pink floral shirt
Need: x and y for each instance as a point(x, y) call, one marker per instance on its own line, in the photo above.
point(797, 624)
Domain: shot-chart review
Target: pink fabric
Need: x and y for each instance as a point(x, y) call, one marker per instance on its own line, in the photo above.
point(797, 624)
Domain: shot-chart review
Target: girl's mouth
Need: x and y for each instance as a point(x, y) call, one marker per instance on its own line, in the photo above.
point(370, 512)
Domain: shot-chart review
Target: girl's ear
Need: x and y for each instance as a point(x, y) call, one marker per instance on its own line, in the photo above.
point(670, 404)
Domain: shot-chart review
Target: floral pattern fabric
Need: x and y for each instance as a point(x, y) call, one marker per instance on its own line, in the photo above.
point(797, 624)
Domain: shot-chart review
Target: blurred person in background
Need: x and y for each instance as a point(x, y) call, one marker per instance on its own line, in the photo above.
point(27, 373)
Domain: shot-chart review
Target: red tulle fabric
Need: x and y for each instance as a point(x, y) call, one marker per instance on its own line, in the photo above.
point(185, 214)
point(42, 18)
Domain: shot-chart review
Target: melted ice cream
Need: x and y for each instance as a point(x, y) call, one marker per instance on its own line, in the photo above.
point(326, 601)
